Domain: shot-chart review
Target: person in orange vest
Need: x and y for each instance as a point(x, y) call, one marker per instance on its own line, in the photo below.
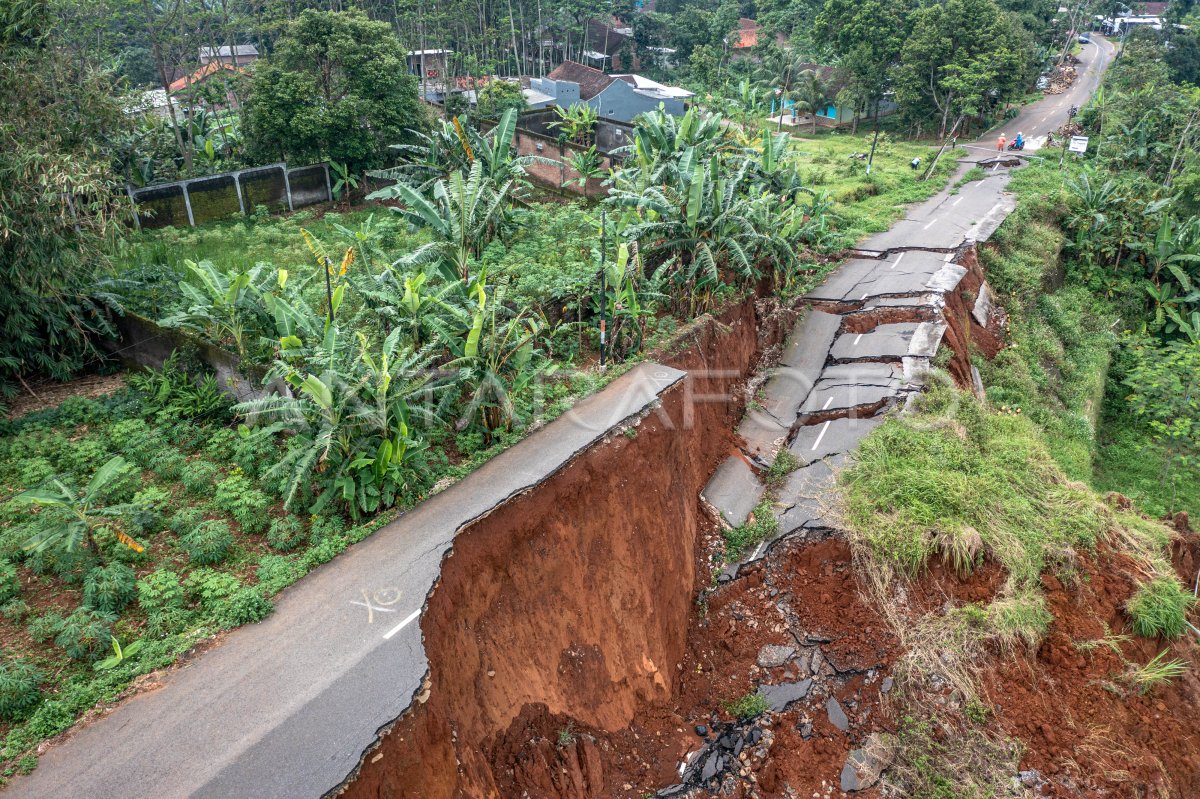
point(1000, 144)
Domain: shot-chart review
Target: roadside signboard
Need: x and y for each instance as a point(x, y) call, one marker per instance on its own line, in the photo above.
point(1079, 144)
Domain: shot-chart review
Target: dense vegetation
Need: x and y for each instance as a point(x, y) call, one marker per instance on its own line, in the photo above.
point(1099, 271)
point(415, 340)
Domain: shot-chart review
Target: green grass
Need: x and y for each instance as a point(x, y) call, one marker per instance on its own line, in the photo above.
point(866, 204)
point(244, 242)
point(1160, 608)
point(784, 464)
point(1061, 337)
point(1156, 672)
point(956, 469)
point(970, 176)
point(760, 526)
point(747, 707)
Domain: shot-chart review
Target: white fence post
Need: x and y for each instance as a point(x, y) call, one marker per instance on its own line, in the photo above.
point(287, 185)
point(187, 201)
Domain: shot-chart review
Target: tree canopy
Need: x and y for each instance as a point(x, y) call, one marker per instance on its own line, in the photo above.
point(58, 197)
point(337, 86)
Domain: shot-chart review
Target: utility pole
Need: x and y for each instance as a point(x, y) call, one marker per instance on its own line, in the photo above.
point(603, 287)
point(1066, 138)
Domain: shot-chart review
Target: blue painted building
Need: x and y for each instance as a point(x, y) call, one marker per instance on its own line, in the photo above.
point(619, 97)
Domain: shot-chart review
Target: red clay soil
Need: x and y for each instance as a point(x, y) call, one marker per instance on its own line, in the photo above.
point(577, 596)
point(1088, 731)
point(964, 336)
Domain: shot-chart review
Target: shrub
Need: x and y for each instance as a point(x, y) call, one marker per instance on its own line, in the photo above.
point(19, 693)
point(109, 588)
point(253, 454)
point(324, 551)
point(168, 464)
point(276, 572)
point(237, 496)
point(209, 588)
point(199, 476)
point(43, 628)
point(14, 609)
point(323, 527)
point(129, 432)
point(207, 543)
point(159, 591)
point(245, 606)
point(10, 583)
point(186, 519)
point(85, 634)
point(81, 457)
point(34, 471)
point(286, 533)
point(219, 443)
point(1160, 607)
point(748, 706)
point(148, 506)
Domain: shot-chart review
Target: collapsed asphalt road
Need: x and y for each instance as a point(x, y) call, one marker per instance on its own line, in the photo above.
point(286, 707)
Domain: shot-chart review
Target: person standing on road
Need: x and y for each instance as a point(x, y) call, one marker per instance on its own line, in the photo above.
point(1002, 141)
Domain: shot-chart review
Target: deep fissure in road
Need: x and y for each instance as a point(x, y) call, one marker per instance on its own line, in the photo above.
point(608, 551)
point(604, 553)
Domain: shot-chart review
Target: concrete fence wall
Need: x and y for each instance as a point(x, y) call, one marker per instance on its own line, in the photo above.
point(195, 201)
point(144, 342)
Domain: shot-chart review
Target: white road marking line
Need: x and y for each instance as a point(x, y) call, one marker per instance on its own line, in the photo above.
point(817, 443)
point(857, 339)
point(863, 297)
point(758, 549)
point(412, 616)
point(956, 202)
point(931, 224)
point(828, 402)
point(369, 606)
point(899, 258)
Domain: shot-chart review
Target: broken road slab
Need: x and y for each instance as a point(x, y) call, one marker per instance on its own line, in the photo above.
point(734, 490)
point(853, 385)
point(809, 343)
point(837, 436)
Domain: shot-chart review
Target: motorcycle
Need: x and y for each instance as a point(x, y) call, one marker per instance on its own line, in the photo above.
point(1016, 146)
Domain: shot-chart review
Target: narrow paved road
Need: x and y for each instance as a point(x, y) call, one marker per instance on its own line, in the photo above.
point(832, 385)
point(1050, 113)
point(284, 709)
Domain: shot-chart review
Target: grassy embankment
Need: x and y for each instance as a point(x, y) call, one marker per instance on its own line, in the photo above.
point(1068, 360)
point(965, 482)
point(1007, 481)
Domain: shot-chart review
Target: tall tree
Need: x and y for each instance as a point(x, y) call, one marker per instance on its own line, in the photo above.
point(961, 56)
point(58, 199)
point(337, 86)
point(869, 37)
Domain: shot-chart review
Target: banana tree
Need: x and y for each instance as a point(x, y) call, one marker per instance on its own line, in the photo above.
point(497, 358)
point(353, 439)
point(78, 514)
point(224, 308)
point(463, 214)
point(702, 229)
point(455, 146)
point(577, 122)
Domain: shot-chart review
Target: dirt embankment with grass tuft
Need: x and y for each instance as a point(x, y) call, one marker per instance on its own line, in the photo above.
point(561, 620)
point(1059, 659)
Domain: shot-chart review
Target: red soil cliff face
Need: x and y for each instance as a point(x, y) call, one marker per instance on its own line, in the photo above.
point(572, 600)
